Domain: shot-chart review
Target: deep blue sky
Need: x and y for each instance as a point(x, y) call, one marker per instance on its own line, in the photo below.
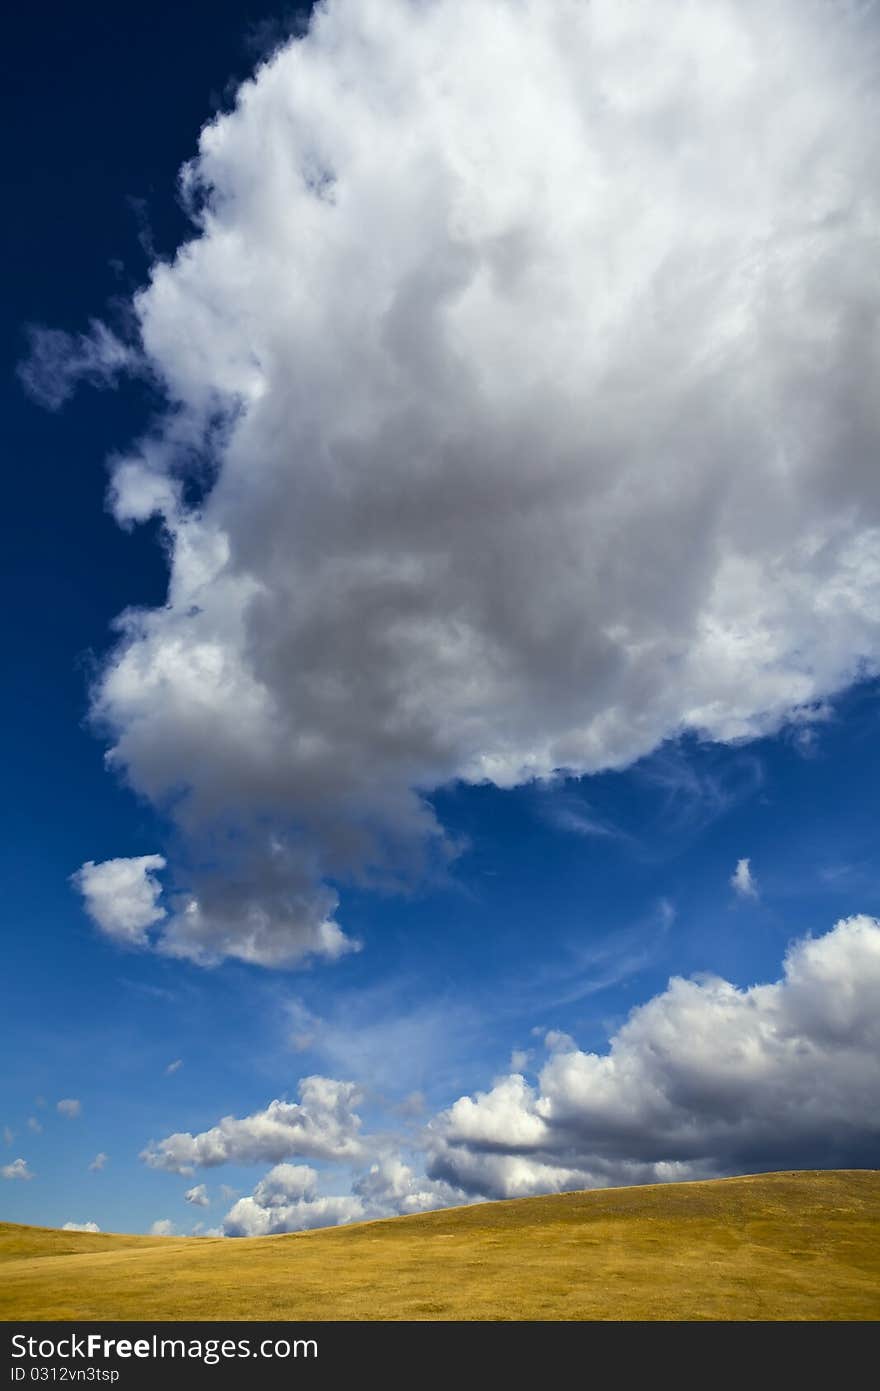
point(541, 925)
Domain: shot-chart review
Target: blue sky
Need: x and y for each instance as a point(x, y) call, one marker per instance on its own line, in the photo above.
point(522, 824)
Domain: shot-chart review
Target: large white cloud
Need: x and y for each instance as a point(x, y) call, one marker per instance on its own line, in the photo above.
point(703, 1079)
point(323, 1124)
point(533, 350)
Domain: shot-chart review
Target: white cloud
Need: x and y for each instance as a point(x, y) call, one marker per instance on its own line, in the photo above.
point(8, 1135)
point(287, 1200)
point(34, 1125)
point(17, 1169)
point(392, 1188)
point(80, 1227)
point(122, 896)
point(173, 1067)
point(198, 1196)
point(98, 1163)
point(544, 338)
point(163, 1226)
point(704, 1078)
point(70, 1107)
point(321, 1125)
point(743, 881)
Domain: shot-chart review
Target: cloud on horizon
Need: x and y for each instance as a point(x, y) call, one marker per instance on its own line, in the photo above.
point(704, 1079)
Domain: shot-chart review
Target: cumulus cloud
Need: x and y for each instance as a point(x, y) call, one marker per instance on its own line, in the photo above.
point(391, 1188)
point(532, 348)
point(70, 1107)
point(34, 1125)
point(704, 1079)
point(323, 1124)
point(163, 1226)
point(8, 1135)
point(122, 896)
point(173, 1067)
point(98, 1163)
point(743, 881)
point(80, 1227)
point(17, 1169)
point(287, 1200)
point(198, 1196)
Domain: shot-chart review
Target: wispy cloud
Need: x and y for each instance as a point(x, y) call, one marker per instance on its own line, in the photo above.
point(57, 362)
point(567, 812)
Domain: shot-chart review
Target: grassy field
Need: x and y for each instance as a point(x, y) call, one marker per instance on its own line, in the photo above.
point(800, 1245)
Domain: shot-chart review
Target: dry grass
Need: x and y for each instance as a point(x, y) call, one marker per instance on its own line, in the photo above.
point(775, 1246)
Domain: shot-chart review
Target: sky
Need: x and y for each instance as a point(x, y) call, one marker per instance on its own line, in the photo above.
point(440, 549)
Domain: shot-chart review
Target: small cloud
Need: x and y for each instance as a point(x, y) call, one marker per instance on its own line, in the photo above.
point(743, 881)
point(569, 813)
point(40, 1101)
point(57, 362)
point(519, 1059)
point(228, 1193)
point(666, 913)
point(555, 1041)
point(80, 1227)
point(98, 1163)
point(174, 1067)
point(17, 1169)
point(122, 896)
point(8, 1135)
point(198, 1196)
point(34, 1125)
point(163, 1227)
point(70, 1107)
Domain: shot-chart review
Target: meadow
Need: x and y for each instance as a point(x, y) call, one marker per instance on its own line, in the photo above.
point(800, 1245)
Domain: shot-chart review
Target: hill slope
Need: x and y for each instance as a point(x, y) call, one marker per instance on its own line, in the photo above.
point(802, 1245)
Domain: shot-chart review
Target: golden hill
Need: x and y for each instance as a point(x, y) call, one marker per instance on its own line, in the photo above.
point(802, 1245)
